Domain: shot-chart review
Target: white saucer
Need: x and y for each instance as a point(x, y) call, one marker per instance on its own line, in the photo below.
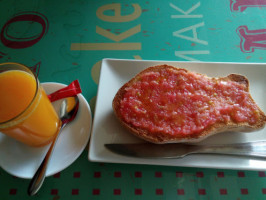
point(22, 161)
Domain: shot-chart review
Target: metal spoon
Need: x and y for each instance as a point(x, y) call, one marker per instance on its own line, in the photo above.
point(68, 111)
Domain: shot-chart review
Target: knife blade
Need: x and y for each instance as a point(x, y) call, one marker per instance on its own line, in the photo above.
point(150, 150)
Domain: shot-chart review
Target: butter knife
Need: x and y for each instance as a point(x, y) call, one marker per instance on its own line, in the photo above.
point(150, 150)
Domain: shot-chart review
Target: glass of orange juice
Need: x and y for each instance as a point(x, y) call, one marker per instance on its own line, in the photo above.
point(26, 114)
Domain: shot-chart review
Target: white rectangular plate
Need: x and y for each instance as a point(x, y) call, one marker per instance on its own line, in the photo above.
point(106, 128)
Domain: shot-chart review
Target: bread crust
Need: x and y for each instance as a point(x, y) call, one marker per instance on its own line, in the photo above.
point(161, 138)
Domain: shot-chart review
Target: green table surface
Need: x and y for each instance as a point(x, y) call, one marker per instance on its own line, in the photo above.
point(66, 40)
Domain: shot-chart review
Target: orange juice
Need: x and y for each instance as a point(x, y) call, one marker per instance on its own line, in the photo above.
point(26, 113)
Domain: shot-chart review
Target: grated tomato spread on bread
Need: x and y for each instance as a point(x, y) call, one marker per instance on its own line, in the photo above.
point(164, 104)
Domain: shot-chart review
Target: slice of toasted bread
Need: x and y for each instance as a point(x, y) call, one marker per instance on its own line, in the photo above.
point(163, 136)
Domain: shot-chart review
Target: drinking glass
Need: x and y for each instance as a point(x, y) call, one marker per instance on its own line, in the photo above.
point(26, 113)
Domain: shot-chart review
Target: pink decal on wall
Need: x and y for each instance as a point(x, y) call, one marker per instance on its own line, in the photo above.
point(24, 42)
point(241, 5)
point(36, 68)
point(251, 39)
